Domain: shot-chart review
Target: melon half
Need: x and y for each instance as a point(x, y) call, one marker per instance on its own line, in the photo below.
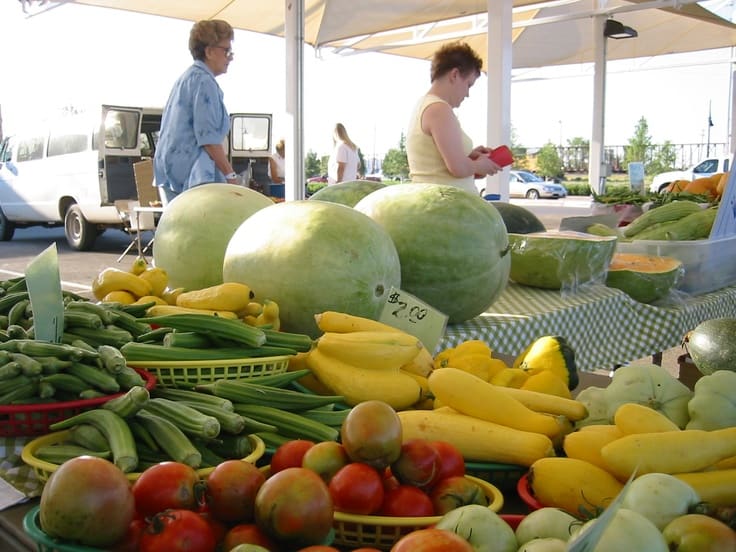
point(645, 278)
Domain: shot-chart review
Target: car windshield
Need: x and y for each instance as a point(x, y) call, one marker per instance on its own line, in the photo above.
point(530, 177)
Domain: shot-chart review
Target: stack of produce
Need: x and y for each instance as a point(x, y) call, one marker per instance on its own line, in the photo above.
point(673, 221)
point(712, 186)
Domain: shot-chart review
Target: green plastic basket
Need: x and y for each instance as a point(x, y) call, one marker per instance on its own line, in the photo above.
point(45, 543)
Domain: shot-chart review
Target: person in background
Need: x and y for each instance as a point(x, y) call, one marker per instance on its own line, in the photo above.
point(195, 122)
point(277, 163)
point(438, 150)
point(344, 161)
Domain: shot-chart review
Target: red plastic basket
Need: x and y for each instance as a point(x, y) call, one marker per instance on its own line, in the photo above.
point(523, 488)
point(34, 419)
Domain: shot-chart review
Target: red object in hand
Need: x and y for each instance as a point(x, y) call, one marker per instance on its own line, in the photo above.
point(502, 156)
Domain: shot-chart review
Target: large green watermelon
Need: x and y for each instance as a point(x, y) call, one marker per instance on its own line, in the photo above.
point(347, 193)
point(314, 256)
point(453, 245)
point(195, 229)
point(518, 219)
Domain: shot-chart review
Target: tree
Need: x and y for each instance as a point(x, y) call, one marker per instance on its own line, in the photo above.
point(639, 144)
point(663, 160)
point(395, 162)
point(548, 161)
point(312, 165)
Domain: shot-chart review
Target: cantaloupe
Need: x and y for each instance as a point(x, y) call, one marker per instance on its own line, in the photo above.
point(645, 278)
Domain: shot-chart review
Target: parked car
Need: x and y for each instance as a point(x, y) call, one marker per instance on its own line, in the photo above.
point(320, 178)
point(702, 169)
point(531, 186)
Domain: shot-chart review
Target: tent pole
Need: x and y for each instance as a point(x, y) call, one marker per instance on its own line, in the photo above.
point(294, 36)
point(498, 72)
point(596, 166)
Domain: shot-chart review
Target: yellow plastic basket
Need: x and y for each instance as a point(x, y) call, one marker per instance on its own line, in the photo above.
point(44, 469)
point(186, 374)
point(382, 532)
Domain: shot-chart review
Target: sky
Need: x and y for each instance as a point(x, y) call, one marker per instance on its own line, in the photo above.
point(80, 55)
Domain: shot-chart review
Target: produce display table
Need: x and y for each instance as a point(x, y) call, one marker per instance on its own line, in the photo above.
point(604, 326)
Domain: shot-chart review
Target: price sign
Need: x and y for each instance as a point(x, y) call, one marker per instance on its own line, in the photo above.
point(404, 311)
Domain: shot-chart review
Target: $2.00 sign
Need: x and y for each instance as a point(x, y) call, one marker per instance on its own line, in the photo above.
point(404, 311)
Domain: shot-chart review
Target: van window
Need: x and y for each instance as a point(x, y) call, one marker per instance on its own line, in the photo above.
point(30, 149)
point(707, 166)
point(121, 129)
point(62, 144)
point(251, 134)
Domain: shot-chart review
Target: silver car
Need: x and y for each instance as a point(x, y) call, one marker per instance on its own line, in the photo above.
point(529, 185)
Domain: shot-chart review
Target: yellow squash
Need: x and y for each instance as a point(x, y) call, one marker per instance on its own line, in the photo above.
point(113, 279)
point(572, 409)
point(472, 396)
point(587, 445)
point(550, 352)
point(229, 296)
point(476, 439)
point(157, 277)
point(717, 487)
point(637, 418)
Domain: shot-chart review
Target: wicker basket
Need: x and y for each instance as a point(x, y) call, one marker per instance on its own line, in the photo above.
point(34, 419)
point(187, 374)
point(44, 469)
point(382, 532)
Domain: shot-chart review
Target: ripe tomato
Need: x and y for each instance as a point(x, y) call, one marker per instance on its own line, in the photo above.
point(164, 486)
point(132, 538)
point(247, 533)
point(290, 455)
point(406, 501)
point(432, 540)
point(231, 490)
point(453, 492)
point(357, 489)
point(418, 464)
point(178, 531)
point(451, 460)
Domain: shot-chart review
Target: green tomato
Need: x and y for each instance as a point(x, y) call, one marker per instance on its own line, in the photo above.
point(660, 498)
point(628, 530)
point(546, 522)
point(483, 528)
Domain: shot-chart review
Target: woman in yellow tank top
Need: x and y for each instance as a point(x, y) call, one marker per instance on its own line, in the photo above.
point(438, 150)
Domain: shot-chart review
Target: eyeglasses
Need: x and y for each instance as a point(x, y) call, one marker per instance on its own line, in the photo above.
point(228, 51)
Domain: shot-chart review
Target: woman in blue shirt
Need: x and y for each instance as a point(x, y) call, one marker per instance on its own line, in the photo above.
point(195, 122)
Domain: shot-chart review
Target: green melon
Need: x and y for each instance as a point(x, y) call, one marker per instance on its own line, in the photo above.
point(314, 256)
point(645, 278)
point(518, 220)
point(195, 229)
point(712, 345)
point(347, 193)
point(559, 260)
point(453, 245)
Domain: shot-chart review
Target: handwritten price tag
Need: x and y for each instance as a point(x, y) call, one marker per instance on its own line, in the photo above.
point(404, 311)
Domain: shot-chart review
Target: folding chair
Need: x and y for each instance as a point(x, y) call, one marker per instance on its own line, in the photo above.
point(135, 223)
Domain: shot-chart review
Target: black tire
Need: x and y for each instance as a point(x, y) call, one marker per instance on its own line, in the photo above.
point(532, 194)
point(79, 232)
point(7, 228)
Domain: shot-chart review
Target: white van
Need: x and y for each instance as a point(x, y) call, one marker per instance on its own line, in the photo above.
point(72, 171)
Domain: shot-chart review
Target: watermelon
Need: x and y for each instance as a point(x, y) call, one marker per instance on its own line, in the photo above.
point(347, 193)
point(313, 256)
point(645, 278)
point(195, 229)
point(453, 245)
point(712, 345)
point(559, 260)
point(518, 219)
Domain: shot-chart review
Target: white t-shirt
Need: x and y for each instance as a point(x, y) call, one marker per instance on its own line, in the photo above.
point(343, 154)
point(280, 166)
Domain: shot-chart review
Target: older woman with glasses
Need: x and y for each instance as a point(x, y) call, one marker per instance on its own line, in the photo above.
point(195, 122)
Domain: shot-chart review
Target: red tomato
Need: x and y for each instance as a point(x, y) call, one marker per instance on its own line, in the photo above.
point(451, 460)
point(247, 533)
point(219, 529)
point(432, 540)
point(357, 489)
point(168, 485)
point(418, 464)
point(453, 492)
point(406, 501)
point(389, 481)
point(178, 531)
point(290, 455)
point(132, 539)
point(231, 490)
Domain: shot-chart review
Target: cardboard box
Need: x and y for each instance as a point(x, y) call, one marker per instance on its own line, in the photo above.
point(709, 264)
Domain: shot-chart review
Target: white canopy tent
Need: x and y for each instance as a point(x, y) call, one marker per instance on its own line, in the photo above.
point(511, 33)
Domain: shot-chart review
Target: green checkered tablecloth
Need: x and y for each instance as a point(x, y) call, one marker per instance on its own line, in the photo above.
point(16, 472)
point(604, 326)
